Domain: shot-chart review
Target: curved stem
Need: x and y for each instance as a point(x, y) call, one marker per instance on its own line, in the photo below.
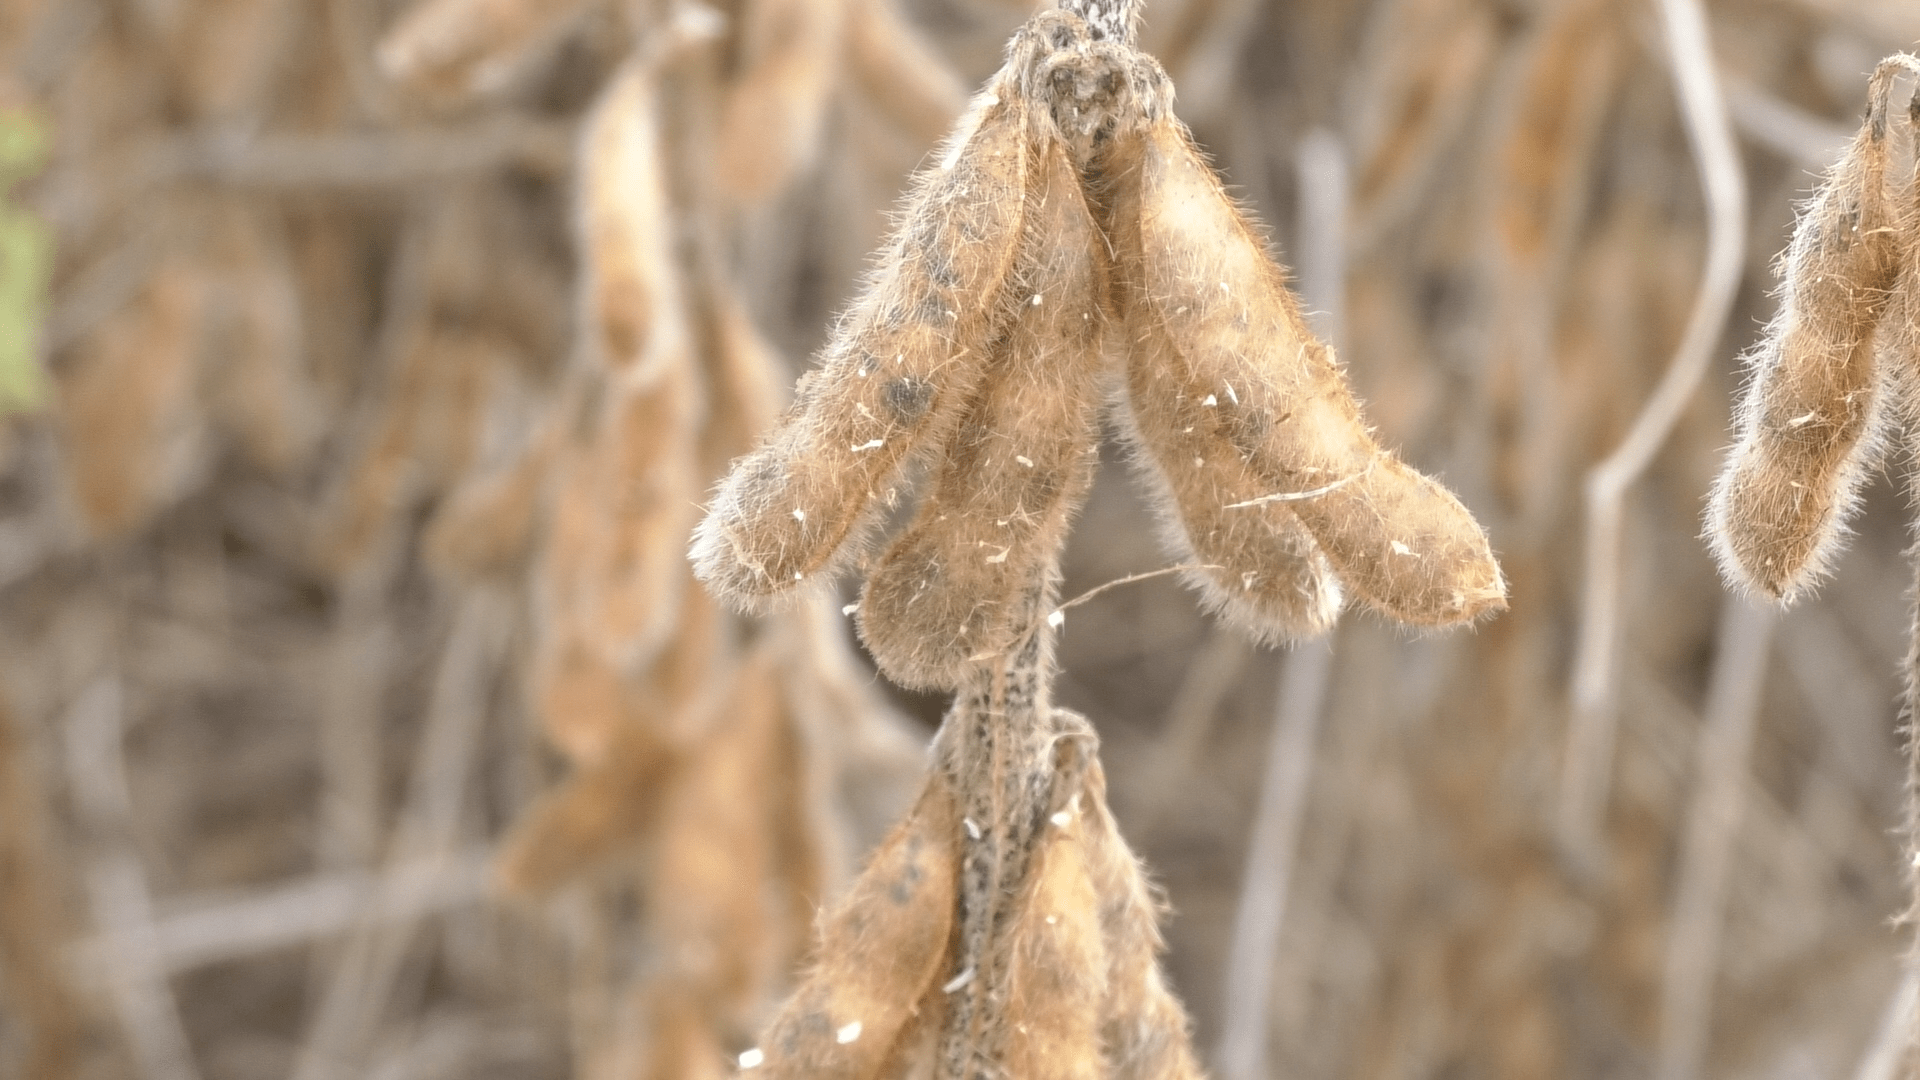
point(1587, 767)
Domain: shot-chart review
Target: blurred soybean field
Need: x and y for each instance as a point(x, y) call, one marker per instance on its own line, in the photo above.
point(359, 716)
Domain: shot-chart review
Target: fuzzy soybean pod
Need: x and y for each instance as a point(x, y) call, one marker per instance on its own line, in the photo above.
point(1253, 563)
point(1056, 979)
point(627, 288)
point(1144, 1030)
point(1810, 424)
point(900, 72)
point(485, 530)
point(879, 954)
point(1240, 368)
point(948, 592)
point(896, 374)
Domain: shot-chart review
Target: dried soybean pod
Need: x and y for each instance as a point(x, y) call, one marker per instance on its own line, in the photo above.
point(460, 47)
point(1256, 564)
point(486, 528)
point(1056, 978)
point(770, 126)
point(1432, 59)
point(1143, 1027)
point(879, 954)
point(625, 737)
point(1810, 424)
point(628, 289)
point(900, 72)
point(622, 505)
point(715, 857)
point(745, 381)
point(262, 393)
point(1246, 373)
point(1253, 565)
point(675, 1034)
point(426, 433)
point(899, 368)
point(585, 703)
point(647, 487)
point(949, 589)
point(605, 809)
point(139, 434)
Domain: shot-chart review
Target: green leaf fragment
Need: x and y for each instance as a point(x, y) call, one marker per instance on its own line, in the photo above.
point(23, 144)
point(26, 256)
point(26, 263)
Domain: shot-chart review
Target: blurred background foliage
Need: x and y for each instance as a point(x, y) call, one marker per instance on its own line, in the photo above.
point(326, 745)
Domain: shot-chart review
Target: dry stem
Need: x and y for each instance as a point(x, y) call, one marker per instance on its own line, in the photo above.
point(1721, 778)
point(1586, 768)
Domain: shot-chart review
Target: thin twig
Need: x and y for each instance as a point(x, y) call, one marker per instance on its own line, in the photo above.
point(361, 653)
point(388, 158)
point(105, 286)
point(1212, 62)
point(212, 930)
point(1785, 128)
point(1713, 823)
point(452, 1045)
point(1844, 694)
point(1586, 771)
point(362, 646)
point(41, 998)
point(117, 885)
point(359, 984)
point(1269, 866)
point(1059, 614)
point(1300, 496)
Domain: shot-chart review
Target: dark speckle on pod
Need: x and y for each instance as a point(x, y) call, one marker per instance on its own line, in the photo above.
point(907, 398)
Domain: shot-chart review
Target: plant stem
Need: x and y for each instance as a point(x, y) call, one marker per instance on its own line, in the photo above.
point(1110, 20)
point(996, 747)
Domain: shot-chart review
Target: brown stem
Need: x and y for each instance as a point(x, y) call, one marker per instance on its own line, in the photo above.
point(1110, 20)
point(1909, 711)
point(997, 748)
